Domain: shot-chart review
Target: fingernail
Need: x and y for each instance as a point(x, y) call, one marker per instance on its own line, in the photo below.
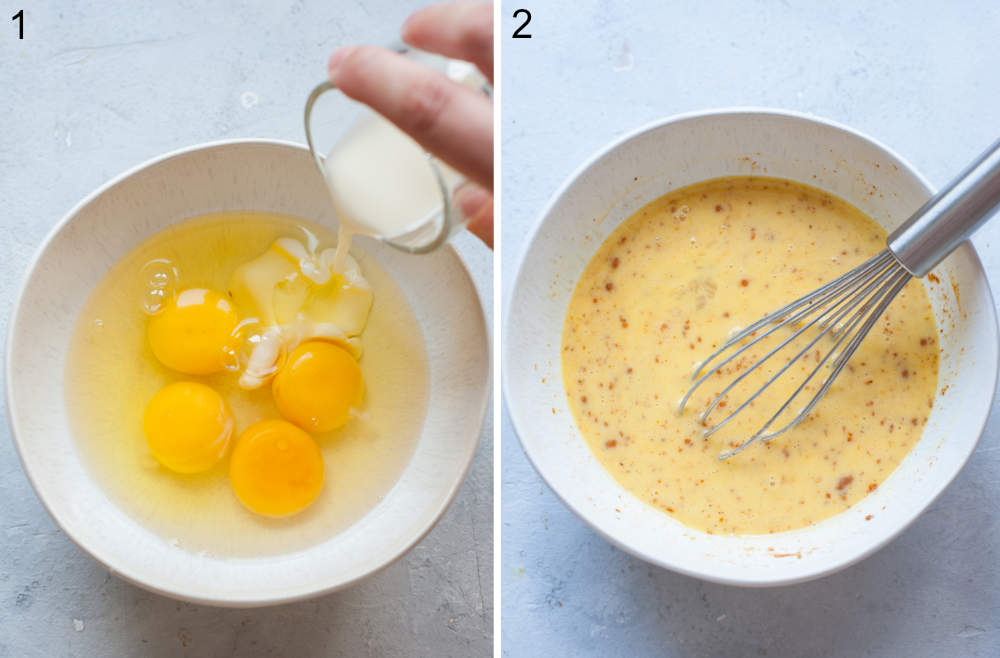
point(335, 61)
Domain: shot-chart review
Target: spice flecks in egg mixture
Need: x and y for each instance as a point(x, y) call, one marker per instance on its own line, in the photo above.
point(668, 286)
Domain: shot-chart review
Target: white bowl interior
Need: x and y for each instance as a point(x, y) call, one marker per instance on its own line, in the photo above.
point(255, 175)
point(661, 158)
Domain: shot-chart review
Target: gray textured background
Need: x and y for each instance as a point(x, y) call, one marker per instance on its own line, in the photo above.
point(93, 89)
point(920, 76)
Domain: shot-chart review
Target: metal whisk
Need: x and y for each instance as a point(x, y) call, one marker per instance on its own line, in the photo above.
point(844, 310)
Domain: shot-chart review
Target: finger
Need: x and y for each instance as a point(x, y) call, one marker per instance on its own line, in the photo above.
point(462, 30)
point(451, 121)
point(476, 203)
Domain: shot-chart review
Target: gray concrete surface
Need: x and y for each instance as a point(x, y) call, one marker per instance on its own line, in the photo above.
point(93, 89)
point(919, 76)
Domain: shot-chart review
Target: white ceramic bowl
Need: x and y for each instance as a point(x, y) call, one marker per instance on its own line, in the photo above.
point(255, 175)
point(649, 163)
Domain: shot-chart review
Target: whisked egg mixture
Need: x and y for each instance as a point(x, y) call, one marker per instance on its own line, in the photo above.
point(238, 393)
point(669, 286)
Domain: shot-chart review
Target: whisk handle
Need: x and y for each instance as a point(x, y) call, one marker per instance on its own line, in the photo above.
point(950, 217)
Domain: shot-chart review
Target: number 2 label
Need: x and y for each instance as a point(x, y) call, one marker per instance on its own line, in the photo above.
point(527, 19)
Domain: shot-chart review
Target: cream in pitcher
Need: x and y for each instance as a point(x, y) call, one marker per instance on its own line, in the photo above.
point(382, 182)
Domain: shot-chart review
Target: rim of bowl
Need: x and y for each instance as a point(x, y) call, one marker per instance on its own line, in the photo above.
point(518, 424)
point(95, 551)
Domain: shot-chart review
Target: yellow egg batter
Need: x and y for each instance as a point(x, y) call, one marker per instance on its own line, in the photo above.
point(668, 286)
point(116, 368)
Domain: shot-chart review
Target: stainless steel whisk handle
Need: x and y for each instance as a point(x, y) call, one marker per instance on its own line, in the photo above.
point(948, 219)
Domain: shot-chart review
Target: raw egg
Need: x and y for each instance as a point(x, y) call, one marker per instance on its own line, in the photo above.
point(195, 333)
point(276, 468)
point(188, 427)
point(318, 386)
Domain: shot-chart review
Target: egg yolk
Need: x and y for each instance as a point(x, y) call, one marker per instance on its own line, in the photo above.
point(318, 385)
point(276, 468)
point(188, 427)
point(194, 333)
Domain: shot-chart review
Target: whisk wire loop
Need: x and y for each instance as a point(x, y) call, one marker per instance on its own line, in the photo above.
point(914, 248)
point(880, 300)
point(835, 313)
point(835, 310)
point(794, 312)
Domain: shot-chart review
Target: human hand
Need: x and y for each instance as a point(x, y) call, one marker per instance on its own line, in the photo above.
point(450, 120)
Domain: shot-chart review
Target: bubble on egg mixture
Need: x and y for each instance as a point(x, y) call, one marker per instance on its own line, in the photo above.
point(153, 300)
point(159, 280)
point(231, 360)
point(237, 354)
